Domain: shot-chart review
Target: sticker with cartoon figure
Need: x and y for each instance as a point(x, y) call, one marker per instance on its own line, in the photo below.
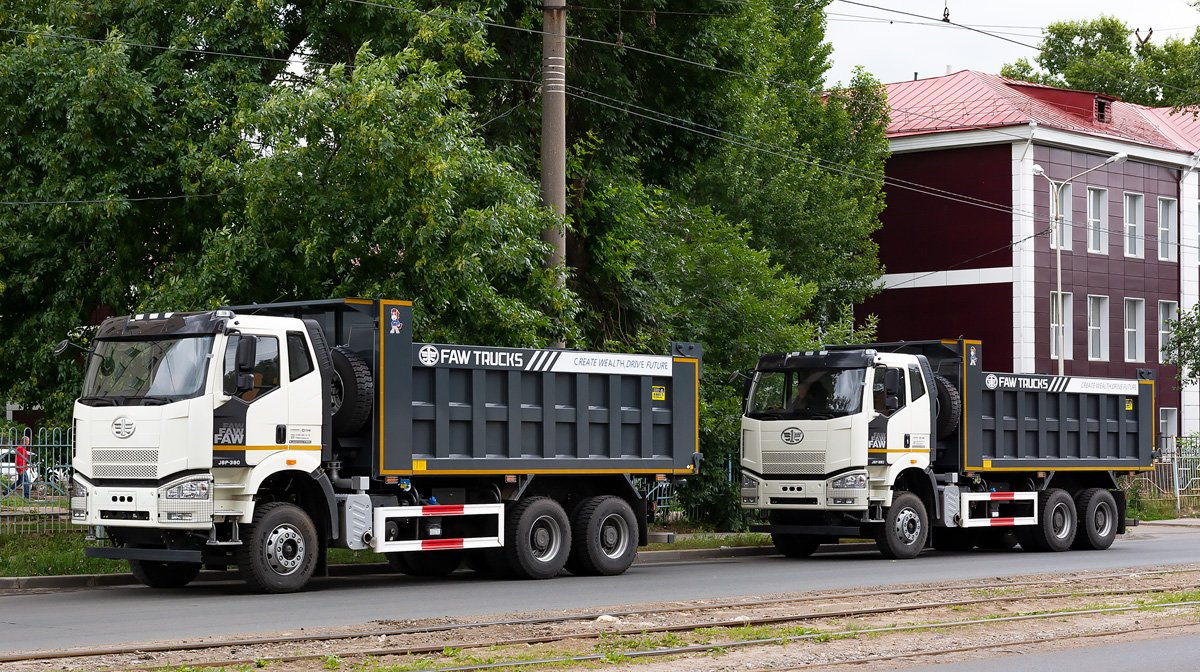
point(974, 359)
point(397, 325)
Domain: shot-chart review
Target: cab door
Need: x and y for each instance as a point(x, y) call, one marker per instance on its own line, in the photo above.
point(900, 433)
point(252, 424)
point(304, 393)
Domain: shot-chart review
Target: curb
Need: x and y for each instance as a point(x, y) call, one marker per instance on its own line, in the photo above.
point(367, 569)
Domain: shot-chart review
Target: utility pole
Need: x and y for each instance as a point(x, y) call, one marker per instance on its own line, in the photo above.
point(554, 129)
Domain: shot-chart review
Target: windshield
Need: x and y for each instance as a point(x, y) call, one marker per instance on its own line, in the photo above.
point(147, 372)
point(806, 394)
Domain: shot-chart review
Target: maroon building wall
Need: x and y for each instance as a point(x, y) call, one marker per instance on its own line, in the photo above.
point(1112, 274)
point(982, 312)
point(925, 232)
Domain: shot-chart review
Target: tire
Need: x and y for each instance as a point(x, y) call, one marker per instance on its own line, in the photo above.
point(949, 407)
point(279, 553)
point(164, 574)
point(1056, 521)
point(998, 539)
point(955, 539)
point(795, 545)
point(537, 538)
point(604, 536)
point(1096, 513)
point(432, 563)
point(905, 528)
point(351, 393)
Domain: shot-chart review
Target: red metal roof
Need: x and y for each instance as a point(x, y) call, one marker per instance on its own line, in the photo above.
point(971, 100)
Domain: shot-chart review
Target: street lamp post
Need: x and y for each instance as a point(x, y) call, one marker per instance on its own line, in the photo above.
point(1056, 212)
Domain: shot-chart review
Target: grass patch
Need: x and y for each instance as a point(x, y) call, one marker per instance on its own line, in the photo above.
point(712, 540)
point(51, 554)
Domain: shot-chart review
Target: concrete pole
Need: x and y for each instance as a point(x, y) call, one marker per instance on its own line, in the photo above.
point(554, 129)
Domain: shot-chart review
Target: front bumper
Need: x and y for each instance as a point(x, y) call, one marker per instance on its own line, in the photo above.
point(760, 492)
point(142, 506)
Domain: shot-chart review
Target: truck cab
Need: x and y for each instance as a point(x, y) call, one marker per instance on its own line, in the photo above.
point(826, 434)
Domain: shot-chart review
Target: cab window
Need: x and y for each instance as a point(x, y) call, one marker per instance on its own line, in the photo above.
point(916, 381)
point(299, 363)
point(266, 367)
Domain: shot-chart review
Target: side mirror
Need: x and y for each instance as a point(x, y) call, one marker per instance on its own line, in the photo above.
point(61, 347)
point(245, 354)
point(891, 389)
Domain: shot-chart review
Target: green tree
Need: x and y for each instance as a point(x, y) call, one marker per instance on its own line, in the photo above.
point(1182, 349)
point(1103, 55)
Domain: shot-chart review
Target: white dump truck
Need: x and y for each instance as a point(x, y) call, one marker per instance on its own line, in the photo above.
point(260, 436)
point(909, 443)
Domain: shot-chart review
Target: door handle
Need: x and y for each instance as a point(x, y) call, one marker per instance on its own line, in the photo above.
point(280, 433)
point(907, 441)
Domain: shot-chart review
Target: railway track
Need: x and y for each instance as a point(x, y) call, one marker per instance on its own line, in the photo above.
point(797, 611)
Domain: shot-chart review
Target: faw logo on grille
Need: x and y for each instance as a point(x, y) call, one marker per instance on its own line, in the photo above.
point(123, 427)
point(792, 436)
point(428, 355)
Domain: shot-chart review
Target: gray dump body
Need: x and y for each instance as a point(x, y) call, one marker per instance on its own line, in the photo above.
point(471, 410)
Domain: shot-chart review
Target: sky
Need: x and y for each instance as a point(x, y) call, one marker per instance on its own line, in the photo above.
point(892, 46)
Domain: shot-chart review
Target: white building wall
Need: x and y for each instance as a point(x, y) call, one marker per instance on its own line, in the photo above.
point(1023, 228)
point(1189, 280)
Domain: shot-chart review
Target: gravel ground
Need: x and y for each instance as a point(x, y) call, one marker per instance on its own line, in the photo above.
point(834, 638)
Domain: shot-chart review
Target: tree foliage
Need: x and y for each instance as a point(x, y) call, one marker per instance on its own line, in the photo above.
point(1105, 55)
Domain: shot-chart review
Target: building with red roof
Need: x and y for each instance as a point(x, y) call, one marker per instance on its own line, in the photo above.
point(970, 248)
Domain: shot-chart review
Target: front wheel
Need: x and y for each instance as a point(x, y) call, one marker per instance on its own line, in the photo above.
point(164, 574)
point(280, 552)
point(905, 528)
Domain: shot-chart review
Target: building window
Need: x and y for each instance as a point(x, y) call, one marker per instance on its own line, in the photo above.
point(1168, 229)
point(1056, 326)
point(1135, 332)
point(1097, 220)
point(1168, 429)
point(1061, 229)
point(1098, 328)
point(1168, 311)
point(1135, 217)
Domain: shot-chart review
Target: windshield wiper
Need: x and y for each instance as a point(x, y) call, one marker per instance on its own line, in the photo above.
point(155, 401)
point(100, 401)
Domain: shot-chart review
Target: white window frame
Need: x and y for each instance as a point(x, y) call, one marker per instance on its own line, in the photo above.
point(1097, 328)
point(1168, 229)
point(1135, 332)
point(1067, 309)
point(1097, 220)
point(1168, 429)
point(1064, 209)
point(1167, 310)
point(1135, 225)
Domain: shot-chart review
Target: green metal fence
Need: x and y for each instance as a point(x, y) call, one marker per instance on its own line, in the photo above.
point(1175, 481)
point(36, 497)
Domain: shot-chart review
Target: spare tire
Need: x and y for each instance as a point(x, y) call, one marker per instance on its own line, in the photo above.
point(949, 407)
point(352, 391)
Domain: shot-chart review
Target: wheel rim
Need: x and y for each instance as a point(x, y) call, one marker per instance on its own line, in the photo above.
point(1060, 521)
point(545, 538)
point(908, 526)
point(614, 535)
point(1102, 520)
point(284, 550)
point(336, 393)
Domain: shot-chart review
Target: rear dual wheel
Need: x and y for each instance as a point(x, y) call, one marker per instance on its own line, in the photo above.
point(604, 534)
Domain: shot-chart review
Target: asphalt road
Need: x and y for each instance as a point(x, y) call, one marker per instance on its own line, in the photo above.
point(39, 620)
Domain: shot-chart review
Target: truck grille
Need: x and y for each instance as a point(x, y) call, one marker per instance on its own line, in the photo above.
point(788, 459)
point(122, 463)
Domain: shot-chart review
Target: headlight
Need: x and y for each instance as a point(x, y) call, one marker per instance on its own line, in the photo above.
point(749, 482)
point(851, 482)
point(189, 490)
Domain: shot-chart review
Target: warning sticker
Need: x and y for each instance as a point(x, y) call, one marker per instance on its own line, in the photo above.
point(658, 393)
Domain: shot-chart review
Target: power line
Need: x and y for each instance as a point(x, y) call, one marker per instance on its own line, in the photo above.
point(114, 200)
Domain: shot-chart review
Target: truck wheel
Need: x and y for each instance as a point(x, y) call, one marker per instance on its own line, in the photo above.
point(537, 538)
point(1056, 521)
point(1096, 512)
point(905, 528)
point(351, 393)
point(280, 552)
point(604, 536)
point(432, 563)
point(795, 545)
point(164, 574)
point(955, 539)
point(949, 407)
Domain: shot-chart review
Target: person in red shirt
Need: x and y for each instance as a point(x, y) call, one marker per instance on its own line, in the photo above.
point(23, 467)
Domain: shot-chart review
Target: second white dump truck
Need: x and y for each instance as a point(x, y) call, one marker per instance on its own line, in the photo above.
point(909, 443)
